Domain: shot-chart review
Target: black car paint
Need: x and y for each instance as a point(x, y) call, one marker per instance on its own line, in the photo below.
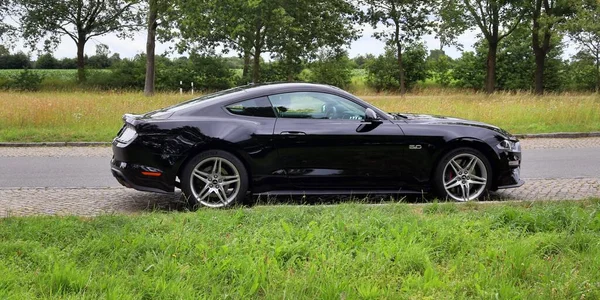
point(285, 155)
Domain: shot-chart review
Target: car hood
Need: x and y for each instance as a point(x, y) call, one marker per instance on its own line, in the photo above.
point(443, 120)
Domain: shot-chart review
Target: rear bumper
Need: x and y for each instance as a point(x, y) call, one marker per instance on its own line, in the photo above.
point(127, 179)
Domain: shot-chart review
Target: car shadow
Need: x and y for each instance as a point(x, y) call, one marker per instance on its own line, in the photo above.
point(176, 203)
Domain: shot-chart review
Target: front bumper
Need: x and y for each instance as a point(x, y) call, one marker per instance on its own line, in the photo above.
point(509, 170)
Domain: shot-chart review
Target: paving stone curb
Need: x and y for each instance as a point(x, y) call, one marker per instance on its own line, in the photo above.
point(559, 135)
point(56, 144)
point(554, 135)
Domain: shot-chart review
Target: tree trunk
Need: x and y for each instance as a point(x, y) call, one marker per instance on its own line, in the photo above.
point(256, 66)
point(540, 64)
point(401, 78)
point(81, 60)
point(150, 50)
point(246, 64)
point(490, 77)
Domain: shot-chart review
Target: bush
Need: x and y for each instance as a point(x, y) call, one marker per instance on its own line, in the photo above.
point(333, 68)
point(15, 61)
point(383, 71)
point(46, 61)
point(25, 80)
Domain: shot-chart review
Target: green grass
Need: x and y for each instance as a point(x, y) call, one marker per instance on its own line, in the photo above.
point(348, 251)
point(96, 116)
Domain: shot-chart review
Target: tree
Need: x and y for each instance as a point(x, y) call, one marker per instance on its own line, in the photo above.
point(330, 27)
point(515, 64)
point(581, 72)
point(546, 15)
point(408, 20)
point(585, 31)
point(46, 61)
point(156, 16)
point(5, 6)
point(100, 60)
point(287, 30)
point(332, 67)
point(382, 72)
point(439, 66)
point(77, 19)
point(18, 60)
point(496, 19)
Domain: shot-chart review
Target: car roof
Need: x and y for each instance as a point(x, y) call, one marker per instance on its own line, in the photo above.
point(248, 92)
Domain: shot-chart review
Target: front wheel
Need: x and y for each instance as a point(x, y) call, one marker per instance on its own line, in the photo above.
point(215, 179)
point(464, 174)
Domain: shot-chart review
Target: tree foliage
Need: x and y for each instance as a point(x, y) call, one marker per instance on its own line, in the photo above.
point(585, 31)
point(495, 19)
point(403, 22)
point(332, 67)
point(76, 19)
point(285, 30)
point(382, 72)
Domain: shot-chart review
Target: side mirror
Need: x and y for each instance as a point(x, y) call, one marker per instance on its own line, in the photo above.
point(371, 116)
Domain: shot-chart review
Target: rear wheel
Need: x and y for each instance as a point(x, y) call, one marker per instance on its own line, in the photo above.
point(464, 174)
point(214, 179)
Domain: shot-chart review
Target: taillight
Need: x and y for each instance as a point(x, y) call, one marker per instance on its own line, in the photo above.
point(128, 134)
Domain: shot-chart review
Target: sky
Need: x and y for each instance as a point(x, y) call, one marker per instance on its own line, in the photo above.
point(130, 47)
point(364, 45)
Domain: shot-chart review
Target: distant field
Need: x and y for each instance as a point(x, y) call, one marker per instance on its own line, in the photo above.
point(532, 250)
point(96, 116)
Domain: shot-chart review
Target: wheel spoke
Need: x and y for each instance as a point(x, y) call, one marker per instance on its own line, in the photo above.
point(229, 177)
point(204, 193)
point(455, 166)
point(201, 175)
point(454, 182)
point(477, 180)
point(217, 166)
point(223, 196)
point(471, 165)
point(231, 181)
point(465, 192)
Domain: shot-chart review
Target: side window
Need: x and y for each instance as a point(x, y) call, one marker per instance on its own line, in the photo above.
point(259, 107)
point(314, 105)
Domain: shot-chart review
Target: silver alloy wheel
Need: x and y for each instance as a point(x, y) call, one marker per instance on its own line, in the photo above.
point(215, 182)
point(465, 177)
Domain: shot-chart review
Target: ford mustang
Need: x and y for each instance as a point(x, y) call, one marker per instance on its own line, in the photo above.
point(307, 139)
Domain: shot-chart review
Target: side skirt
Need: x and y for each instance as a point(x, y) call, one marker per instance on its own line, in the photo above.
point(339, 192)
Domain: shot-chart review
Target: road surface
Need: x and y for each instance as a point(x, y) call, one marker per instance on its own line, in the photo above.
point(93, 170)
point(77, 180)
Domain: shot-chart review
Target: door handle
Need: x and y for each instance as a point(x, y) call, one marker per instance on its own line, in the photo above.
point(292, 133)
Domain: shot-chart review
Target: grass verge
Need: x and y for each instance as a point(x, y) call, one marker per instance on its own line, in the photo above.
point(96, 116)
point(528, 250)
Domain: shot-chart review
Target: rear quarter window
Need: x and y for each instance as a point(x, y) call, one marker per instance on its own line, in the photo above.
point(259, 107)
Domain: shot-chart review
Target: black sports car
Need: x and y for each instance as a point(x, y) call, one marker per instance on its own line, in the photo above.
point(298, 138)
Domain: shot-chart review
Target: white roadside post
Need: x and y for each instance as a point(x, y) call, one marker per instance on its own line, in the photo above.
point(192, 87)
point(180, 87)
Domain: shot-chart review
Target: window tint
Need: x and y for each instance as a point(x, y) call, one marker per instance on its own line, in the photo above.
point(313, 105)
point(259, 107)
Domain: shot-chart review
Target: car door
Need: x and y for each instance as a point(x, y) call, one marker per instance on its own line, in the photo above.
point(324, 143)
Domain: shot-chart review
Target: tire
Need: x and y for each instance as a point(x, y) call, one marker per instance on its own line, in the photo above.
point(214, 179)
point(455, 178)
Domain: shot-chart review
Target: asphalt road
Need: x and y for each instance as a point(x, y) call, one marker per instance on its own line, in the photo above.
point(95, 171)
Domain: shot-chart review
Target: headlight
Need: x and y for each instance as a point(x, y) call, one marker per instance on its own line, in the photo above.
point(509, 146)
point(127, 135)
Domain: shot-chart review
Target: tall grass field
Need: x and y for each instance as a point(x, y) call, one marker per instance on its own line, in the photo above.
point(349, 251)
point(96, 116)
